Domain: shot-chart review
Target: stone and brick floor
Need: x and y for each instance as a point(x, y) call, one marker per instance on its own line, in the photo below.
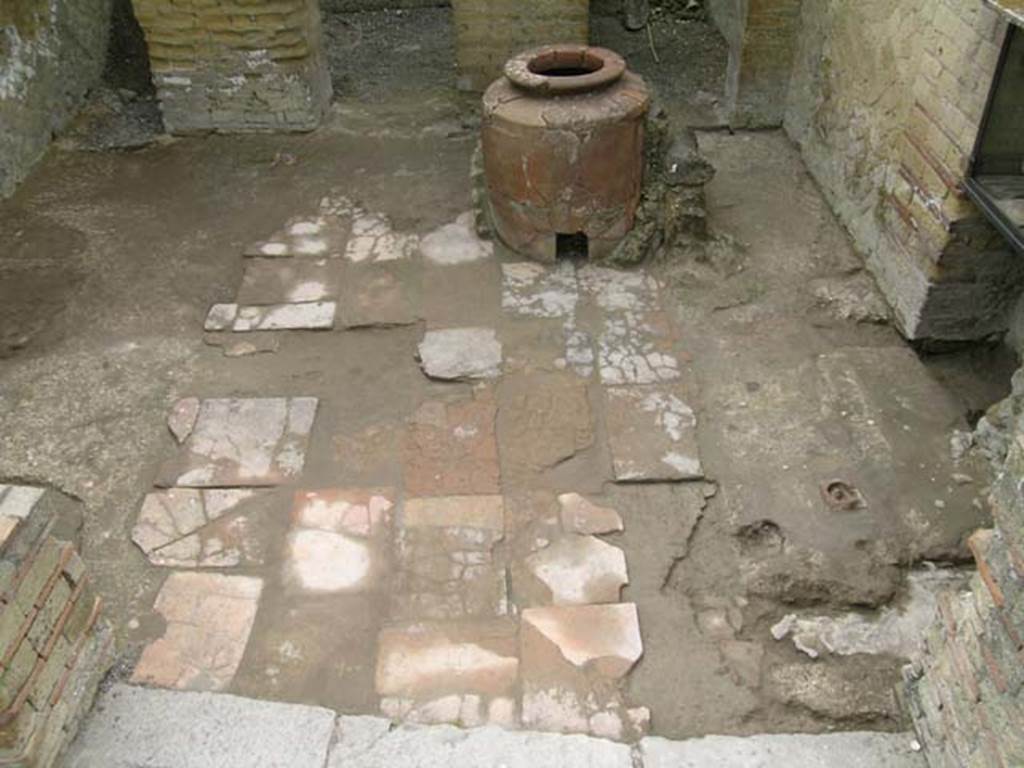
point(480, 588)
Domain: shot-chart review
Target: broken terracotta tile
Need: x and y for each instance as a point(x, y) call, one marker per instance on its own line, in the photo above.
point(446, 560)
point(544, 419)
point(461, 353)
point(606, 637)
point(381, 295)
point(456, 243)
point(338, 542)
point(209, 618)
point(213, 528)
point(462, 673)
point(652, 435)
point(573, 660)
point(289, 281)
point(450, 449)
point(243, 442)
point(535, 290)
point(579, 570)
point(584, 517)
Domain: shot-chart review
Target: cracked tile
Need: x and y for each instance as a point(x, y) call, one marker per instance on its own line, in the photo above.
point(214, 528)
point(243, 442)
point(634, 349)
point(461, 353)
point(456, 243)
point(534, 290)
point(339, 540)
point(450, 450)
point(447, 567)
point(651, 435)
point(209, 618)
point(463, 673)
point(374, 240)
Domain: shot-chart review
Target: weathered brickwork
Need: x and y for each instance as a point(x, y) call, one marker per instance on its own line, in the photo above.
point(965, 690)
point(54, 648)
point(489, 32)
point(886, 100)
point(236, 65)
point(762, 37)
point(959, 276)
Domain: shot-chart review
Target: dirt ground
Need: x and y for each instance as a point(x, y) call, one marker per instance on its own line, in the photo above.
point(113, 259)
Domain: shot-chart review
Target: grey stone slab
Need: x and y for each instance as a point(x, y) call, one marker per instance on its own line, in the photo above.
point(850, 750)
point(19, 500)
point(461, 353)
point(367, 743)
point(134, 727)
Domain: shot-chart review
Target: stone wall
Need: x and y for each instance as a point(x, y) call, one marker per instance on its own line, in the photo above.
point(54, 648)
point(51, 53)
point(489, 32)
point(762, 37)
point(236, 65)
point(885, 101)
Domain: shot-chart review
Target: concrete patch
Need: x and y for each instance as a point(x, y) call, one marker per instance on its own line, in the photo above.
point(852, 750)
point(135, 727)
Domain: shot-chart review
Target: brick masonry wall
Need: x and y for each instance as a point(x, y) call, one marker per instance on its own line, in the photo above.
point(885, 101)
point(965, 689)
point(51, 53)
point(236, 65)
point(489, 32)
point(54, 648)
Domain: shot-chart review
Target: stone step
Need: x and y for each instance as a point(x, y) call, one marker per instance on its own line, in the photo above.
point(134, 727)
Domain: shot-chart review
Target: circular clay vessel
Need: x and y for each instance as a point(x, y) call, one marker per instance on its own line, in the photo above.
point(563, 140)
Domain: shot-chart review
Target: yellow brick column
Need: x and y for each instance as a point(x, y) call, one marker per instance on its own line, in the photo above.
point(236, 65)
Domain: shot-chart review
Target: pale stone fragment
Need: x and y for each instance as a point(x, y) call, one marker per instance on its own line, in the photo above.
point(461, 353)
point(580, 570)
point(584, 517)
point(607, 636)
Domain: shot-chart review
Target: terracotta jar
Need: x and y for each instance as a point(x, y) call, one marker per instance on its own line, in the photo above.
point(563, 139)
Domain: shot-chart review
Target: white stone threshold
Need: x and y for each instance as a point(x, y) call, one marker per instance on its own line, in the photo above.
point(133, 727)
